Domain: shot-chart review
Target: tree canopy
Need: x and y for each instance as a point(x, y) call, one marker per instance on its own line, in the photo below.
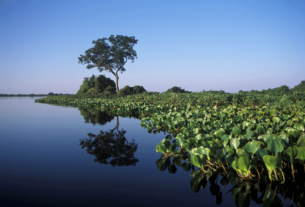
point(110, 54)
point(176, 89)
point(127, 90)
point(97, 85)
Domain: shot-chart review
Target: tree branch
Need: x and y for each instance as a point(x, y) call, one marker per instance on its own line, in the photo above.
point(121, 66)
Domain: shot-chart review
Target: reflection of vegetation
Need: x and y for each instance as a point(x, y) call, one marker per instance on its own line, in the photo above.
point(111, 147)
point(95, 117)
point(242, 190)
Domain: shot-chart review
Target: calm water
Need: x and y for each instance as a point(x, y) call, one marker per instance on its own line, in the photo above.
point(43, 163)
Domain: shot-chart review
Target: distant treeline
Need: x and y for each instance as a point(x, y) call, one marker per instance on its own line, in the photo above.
point(33, 94)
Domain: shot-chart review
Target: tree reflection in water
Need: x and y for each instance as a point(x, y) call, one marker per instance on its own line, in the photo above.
point(95, 116)
point(111, 147)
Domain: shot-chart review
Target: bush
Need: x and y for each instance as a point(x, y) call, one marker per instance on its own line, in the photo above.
point(177, 89)
point(97, 85)
point(127, 90)
point(92, 91)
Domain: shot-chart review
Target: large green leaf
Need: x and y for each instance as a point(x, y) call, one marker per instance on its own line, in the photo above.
point(180, 141)
point(234, 143)
point(161, 148)
point(275, 146)
point(196, 130)
point(301, 153)
point(198, 160)
point(225, 139)
point(290, 154)
point(166, 142)
point(242, 165)
point(249, 133)
point(276, 119)
point(299, 126)
point(301, 142)
point(187, 146)
point(219, 132)
point(260, 129)
point(272, 163)
point(292, 132)
point(252, 147)
point(260, 153)
point(226, 152)
point(236, 131)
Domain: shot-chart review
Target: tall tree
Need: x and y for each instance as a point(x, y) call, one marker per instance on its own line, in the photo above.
point(110, 54)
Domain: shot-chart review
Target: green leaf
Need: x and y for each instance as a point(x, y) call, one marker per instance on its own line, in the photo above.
point(299, 126)
point(249, 133)
point(260, 153)
point(276, 119)
point(219, 133)
point(166, 142)
point(275, 146)
point(252, 147)
point(161, 148)
point(242, 165)
point(301, 153)
point(180, 141)
point(234, 143)
point(272, 163)
point(225, 139)
point(290, 154)
point(196, 130)
point(198, 160)
point(301, 142)
point(236, 131)
point(260, 129)
point(241, 152)
point(187, 146)
point(292, 132)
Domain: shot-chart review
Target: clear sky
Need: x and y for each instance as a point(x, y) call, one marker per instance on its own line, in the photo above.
point(199, 45)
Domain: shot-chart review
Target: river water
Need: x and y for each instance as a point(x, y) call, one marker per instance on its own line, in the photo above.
point(51, 156)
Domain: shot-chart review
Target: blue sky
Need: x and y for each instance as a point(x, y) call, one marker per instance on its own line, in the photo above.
point(225, 45)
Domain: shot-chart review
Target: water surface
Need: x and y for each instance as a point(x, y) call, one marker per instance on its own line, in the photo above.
point(43, 163)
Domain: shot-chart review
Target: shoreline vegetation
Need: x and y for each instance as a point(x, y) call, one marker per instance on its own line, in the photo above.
point(254, 139)
point(256, 133)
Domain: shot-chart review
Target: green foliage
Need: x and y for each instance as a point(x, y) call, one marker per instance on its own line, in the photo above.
point(92, 91)
point(218, 131)
point(127, 90)
point(299, 88)
point(110, 54)
point(97, 85)
point(176, 89)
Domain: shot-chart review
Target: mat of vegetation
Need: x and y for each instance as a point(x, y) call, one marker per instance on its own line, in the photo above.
point(255, 134)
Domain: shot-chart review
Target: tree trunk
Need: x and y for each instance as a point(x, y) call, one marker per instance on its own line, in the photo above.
point(117, 83)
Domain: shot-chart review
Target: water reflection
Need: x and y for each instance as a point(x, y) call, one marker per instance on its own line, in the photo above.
point(108, 147)
point(95, 117)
